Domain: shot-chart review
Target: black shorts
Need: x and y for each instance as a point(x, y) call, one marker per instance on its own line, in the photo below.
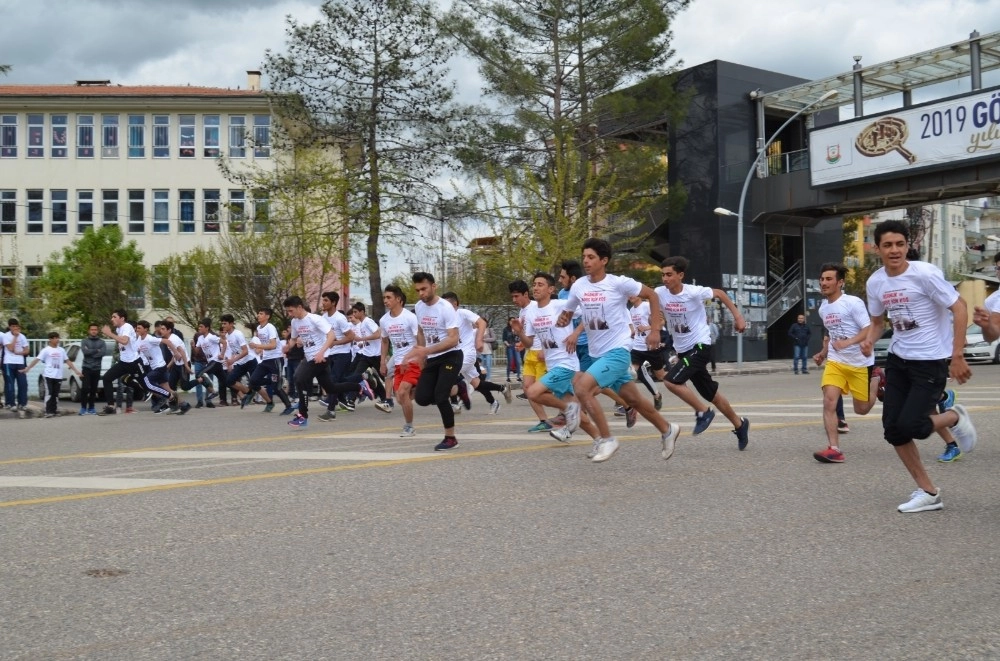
point(655, 359)
point(692, 365)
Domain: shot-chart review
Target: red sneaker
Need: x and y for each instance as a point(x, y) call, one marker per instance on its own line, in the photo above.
point(879, 373)
point(829, 456)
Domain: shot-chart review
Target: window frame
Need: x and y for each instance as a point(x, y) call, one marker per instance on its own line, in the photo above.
point(36, 135)
point(161, 136)
point(59, 135)
point(136, 136)
point(186, 144)
point(84, 142)
point(59, 211)
point(136, 198)
point(110, 196)
point(83, 225)
point(110, 135)
point(8, 211)
point(35, 217)
point(237, 136)
point(8, 135)
point(161, 211)
point(262, 136)
point(212, 144)
point(187, 199)
point(211, 199)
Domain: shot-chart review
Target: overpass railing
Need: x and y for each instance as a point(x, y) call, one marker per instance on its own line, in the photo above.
point(792, 161)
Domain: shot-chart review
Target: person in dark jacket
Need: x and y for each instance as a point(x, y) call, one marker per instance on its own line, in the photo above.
point(799, 332)
point(93, 348)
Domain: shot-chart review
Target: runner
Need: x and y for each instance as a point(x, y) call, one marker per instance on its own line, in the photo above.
point(399, 332)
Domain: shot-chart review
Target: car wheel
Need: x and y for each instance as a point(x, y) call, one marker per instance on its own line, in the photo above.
point(74, 390)
point(996, 355)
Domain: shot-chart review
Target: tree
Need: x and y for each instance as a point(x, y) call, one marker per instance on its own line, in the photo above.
point(860, 267)
point(92, 277)
point(371, 73)
point(190, 285)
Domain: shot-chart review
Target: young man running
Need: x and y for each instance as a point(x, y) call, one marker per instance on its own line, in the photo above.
point(339, 355)
point(156, 380)
point(603, 296)
point(211, 347)
point(239, 360)
point(268, 370)
point(399, 330)
point(471, 328)
point(316, 336)
point(127, 368)
point(849, 366)
point(683, 306)
point(918, 300)
point(437, 354)
point(534, 360)
point(368, 342)
point(640, 352)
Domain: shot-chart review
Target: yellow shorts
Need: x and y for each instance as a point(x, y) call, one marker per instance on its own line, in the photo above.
point(534, 364)
point(848, 378)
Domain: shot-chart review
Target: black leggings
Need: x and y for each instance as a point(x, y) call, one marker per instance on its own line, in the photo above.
point(129, 374)
point(436, 379)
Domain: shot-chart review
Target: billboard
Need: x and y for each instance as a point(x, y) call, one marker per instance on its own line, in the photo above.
point(908, 139)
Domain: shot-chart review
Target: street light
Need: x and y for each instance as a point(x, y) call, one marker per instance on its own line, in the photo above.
point(721, 211)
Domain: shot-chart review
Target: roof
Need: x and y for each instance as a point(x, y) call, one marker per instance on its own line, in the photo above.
point(129, 91)
point(930, 67)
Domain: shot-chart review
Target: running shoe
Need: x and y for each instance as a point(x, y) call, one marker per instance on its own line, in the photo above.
point(83, 410)
point(211, 395)
point(829, 456)
point(631, 416)
point(346, 406)
point(558, 420)
point(160, 408)
point(107, 410)
point(463, 394)
point(448, 443)
point(407, 432)
point(323, 402)
point(268, 407)
point(947, 401)
point(521, 395)
point(456, 408)
point(658, 401)
point(950, 454)
point(129, 409)
point(298, 422)
point(921, 501)
point(494, 408)
point(562, 435)
point(606, 450)
point(619, 411)
point(507, 394)
point(383, 406)
point(742, 434)
point(328, 416)
point(880, 391)
point(594, 447)
point(668, 439)
point(366, 390)
point(572, 416)
point(246, 399)
point(542, 426)
point(200, 404)
point(91, 411)
point(288, 410)
point(964, 431)
point(701, 422)
point(184, 408)
point(842, 427)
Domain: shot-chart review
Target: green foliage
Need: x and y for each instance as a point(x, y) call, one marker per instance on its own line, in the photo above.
point(91, 277)
point(192, 285)
point(863, 265)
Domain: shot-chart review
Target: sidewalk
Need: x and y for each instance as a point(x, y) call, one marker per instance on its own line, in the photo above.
point(756, 367)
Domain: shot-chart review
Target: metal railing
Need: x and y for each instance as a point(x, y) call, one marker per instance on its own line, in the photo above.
point(792, 161)
point(784, 293)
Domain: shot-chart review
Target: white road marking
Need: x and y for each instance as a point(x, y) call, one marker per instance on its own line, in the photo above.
point(274, 456)
point(101, 483)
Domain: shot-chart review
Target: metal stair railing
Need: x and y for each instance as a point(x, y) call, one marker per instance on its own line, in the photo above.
point(784, 293)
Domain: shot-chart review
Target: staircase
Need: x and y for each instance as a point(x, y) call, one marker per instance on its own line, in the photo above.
point(785, 290)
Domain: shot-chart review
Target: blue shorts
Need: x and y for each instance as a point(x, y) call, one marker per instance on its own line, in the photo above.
point(559, 380)
point(583, 354)
point(611, 369)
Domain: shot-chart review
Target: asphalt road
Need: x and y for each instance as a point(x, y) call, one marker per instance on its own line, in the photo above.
point(227, 535)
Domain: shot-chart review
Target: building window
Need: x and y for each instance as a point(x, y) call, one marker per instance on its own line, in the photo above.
point(262, 136)
point(31, 276)
point(211, 209)
point(8, 285)
point(186, 133)
point(136, 298)
point(36, 135)
point(60, 136)
point(161, 136)
point(237, 136)
point(260, 212)
point(8, 136)
point(35, 203)
point(85, 136)
point(84, 210)
point(109, 212)
point(237, 211)
point(8, 211)
point(186, 209)
point(60, 204)
point(211, 130)
point(161, 211)
point(161, 287)
point(109, 136)
point(137, 136)
point(136, 211)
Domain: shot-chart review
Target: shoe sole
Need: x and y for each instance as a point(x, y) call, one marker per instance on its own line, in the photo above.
point(669, 442)
point(970, 446)
point(599, 458)
point(739, 444)
point(925, 508)
point(950, 461)
point(826, 460)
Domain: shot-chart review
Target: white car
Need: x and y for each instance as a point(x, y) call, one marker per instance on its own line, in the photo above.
point(71, 385)
point(881, 348)
point(977, 349)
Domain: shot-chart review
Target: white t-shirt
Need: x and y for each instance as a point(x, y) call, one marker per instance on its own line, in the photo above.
point(640, 319)
point(177, 341)
point(684, 314)
point(369, 348)
point(253, 348)
point(401, 331)
point(523, 318)
point(467, 320)
point(127, 353)
point(53, 358)
point(21, 343)
point(312, 328)
point(435, 320)
point(992, 302)
point(540, 324)
point(917, 302)
point(266, 334)
point(340, 325)
point(209, 345)
point(235, 341)
point(843, 319)
point(605, 315)
point(149, 352)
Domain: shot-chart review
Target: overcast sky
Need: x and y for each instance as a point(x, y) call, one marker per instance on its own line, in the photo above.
point(214, 42)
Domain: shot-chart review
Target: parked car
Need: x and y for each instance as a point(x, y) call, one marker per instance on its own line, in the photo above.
point(977, 349)
point(71, 385)
point(881, 348)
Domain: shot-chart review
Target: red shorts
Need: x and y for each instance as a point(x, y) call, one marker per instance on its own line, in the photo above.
point(408, 373)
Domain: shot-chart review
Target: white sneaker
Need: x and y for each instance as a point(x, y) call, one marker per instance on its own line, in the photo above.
point(964, 431)
point(407, 432)
point(456, 408)
point(494, 408)
point(594, 448)
point(668, 439)
point(562, 434)
point(383, 406)
point(921, 501)
point(606, 450)
point(507, 394)
point(572, 414)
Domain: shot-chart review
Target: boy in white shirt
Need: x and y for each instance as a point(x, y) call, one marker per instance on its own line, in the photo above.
point(15, 348)
point(54, 357)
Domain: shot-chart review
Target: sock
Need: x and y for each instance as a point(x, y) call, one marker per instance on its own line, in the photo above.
point(835, 448)
point(951, 445)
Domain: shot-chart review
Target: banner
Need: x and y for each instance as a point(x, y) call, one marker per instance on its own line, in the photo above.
point(909, 139)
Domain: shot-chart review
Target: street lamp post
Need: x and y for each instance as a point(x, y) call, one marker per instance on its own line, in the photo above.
point(721, 211)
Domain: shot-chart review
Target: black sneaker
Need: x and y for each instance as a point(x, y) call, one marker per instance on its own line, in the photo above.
point(743, 434)
point(328, 416)
point(448, 443)
point(184, 408)
point(107, 410)
point(199, 405)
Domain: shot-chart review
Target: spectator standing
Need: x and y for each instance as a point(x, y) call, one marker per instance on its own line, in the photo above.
point(799, 332)
point(486, 357)
point(510, 341)
point(93, 348)
point(15, 346)
point(713, 332)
